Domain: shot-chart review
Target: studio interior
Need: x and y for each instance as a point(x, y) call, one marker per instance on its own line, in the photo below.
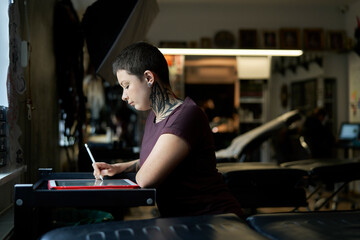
point(279, 83)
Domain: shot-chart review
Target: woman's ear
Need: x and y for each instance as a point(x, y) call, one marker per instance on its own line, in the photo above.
point(149, 77)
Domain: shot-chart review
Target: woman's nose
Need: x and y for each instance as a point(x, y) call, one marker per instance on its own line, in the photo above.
point(124, 96)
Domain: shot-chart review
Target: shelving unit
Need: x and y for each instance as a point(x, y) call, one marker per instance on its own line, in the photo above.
point(251, 104)
point(253, 78)
point(252, 112)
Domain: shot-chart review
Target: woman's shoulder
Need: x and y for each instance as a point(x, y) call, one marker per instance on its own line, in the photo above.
point(188, 122)
point(190, 105)
point(190, 111)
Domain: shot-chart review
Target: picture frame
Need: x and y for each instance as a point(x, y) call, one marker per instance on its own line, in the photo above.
point(313, 39)
point(248, 39)
point(205, 42)
point(336, 40)
point(173, 44)
point(269, 39)
point(290, 38)
point(193, 44)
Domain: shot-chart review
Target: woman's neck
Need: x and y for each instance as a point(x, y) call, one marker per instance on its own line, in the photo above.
point(163, 101)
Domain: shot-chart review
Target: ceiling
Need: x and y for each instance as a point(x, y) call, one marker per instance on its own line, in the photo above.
point(337, 3)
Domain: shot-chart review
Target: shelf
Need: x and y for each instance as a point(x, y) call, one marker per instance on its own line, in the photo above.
point(258, 100)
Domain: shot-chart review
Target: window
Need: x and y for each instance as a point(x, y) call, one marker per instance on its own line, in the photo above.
point(4, 50)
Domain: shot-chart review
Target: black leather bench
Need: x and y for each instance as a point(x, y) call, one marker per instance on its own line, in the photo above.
point(257, 184)
point(331, 225)
point(215, 227)
point(327, 172)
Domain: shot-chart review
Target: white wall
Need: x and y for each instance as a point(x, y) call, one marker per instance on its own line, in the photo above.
point(335, 66)
point(350, 21)
point(353, 67)
point(191, 21)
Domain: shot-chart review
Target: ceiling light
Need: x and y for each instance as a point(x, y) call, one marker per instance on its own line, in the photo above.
point(230, 52)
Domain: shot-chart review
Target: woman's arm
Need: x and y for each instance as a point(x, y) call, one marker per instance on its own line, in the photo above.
point(105, 169)
point(167, 153)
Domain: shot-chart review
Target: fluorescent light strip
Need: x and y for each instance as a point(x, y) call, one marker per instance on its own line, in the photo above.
point(230, 52)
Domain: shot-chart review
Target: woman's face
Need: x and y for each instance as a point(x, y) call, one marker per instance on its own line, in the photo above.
point(135, 90)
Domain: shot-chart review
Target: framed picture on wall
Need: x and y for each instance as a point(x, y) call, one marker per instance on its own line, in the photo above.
point(193, 44)
point(269, 39)
point(336, 40)
point(205, 42)
point(248, 38)
point(173, 44)
point(290, 38)
point(313, 39)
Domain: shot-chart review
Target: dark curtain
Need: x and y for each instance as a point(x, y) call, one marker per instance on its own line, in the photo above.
point(68, 48)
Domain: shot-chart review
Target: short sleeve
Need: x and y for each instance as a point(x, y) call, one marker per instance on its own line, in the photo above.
point(188, 123)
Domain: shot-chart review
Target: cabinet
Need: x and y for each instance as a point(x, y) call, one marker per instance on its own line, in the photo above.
point(251, 104)
point(253, 73)
point(252, 109)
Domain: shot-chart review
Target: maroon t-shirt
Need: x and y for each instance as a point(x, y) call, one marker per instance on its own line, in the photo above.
point(195, 187)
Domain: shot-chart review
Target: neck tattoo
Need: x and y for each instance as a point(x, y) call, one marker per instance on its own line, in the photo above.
point(163, 101)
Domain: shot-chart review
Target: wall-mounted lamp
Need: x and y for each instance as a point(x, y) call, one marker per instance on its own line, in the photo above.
point(231, 52)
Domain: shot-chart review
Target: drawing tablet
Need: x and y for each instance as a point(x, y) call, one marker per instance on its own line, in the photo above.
point(91, 184)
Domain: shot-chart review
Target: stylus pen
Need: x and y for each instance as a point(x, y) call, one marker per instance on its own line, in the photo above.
point(91, 156)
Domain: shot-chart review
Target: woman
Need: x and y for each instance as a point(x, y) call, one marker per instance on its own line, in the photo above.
point(177, 154)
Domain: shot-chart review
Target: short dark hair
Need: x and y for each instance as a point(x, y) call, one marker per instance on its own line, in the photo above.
point(142, 56)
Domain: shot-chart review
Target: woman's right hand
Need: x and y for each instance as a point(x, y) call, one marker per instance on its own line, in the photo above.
point(105, 169)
